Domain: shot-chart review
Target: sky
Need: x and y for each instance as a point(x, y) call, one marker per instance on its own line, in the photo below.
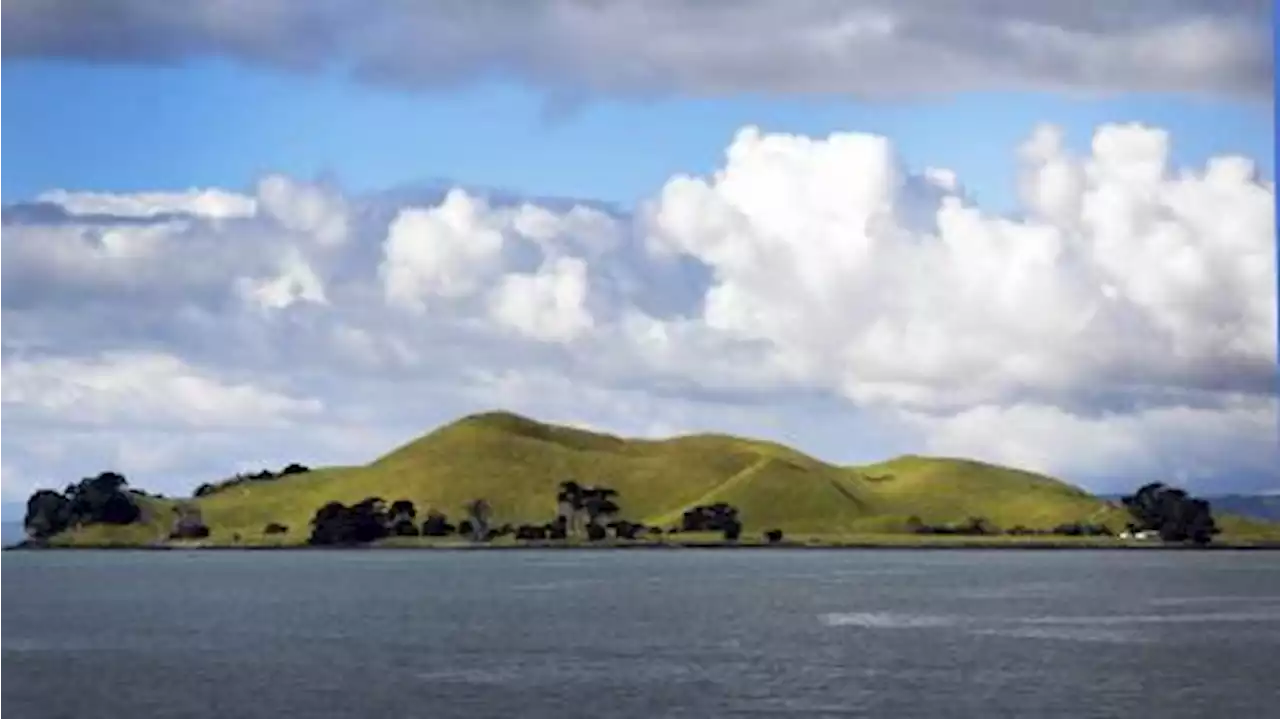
point(243, 233)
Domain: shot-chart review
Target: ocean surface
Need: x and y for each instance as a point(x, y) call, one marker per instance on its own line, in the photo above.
point(682, 633)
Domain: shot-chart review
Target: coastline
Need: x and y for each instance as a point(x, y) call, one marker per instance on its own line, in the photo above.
point(658, 546)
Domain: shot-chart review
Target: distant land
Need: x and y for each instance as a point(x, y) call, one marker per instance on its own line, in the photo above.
point(1256, 506)
point(516, 465)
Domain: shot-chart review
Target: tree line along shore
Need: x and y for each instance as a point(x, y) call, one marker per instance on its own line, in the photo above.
point(497, 479)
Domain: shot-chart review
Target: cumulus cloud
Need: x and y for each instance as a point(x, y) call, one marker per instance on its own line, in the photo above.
point(864, 47)
point(465, 248)
point(1189, 445)
point(127, 388)
point(313, 211)
point(446, 251)
point(296, 282)
point(1120, 326)
point(210, 202)
point(1122, 274)
point(547, 305)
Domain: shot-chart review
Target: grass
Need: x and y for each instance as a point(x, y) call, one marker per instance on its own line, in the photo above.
point(516, 463)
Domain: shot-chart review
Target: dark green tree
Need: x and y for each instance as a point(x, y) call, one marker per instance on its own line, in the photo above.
point(48, 513)
point(569, 504)
point(1173, 513)
point(437, 525)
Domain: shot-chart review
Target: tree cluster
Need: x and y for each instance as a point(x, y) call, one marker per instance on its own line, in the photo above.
point(718, 517)
point(581, 507)
point(237, 479)
point(1176, 515)
point(1067, 529)
point(372, 519)
point(973, 526)
point(100, 499)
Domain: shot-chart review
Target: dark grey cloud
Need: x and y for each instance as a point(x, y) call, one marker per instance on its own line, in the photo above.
point(573, 48)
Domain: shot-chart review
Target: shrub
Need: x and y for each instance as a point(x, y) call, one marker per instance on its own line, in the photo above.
point(773, 536)
point(275, 528)
point(437, 525)
point(732, 530)
point(529, 532)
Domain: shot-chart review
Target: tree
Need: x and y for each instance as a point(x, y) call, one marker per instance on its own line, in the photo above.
point(529, 533)
point(1177, 516)
point(104, 498)
point(361, 523)
point(598, 503)
point(402, 509)
point(437, 525)
point(626, 530)
point(48, 513)
point(569, 504)
point(711, 518)
point(294, 468)
point(479, 511)
point(559, 529)
point(732, 530)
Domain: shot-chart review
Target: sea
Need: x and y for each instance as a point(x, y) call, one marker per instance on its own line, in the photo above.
point(658, 633)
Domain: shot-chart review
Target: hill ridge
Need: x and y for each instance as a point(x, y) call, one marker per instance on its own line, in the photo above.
point(516, 463)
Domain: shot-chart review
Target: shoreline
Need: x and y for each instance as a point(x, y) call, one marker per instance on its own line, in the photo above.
point(787, 546)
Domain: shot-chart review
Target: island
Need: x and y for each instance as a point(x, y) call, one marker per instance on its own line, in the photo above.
point(500, 480)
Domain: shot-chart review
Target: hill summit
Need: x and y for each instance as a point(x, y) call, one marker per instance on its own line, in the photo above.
point(516, 464)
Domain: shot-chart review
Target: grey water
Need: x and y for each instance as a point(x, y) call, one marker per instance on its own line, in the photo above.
point(682, 633)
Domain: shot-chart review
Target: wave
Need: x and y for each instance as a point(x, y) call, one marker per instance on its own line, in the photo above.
point(1122, 619)
point(885, 620)
point(1069, 633)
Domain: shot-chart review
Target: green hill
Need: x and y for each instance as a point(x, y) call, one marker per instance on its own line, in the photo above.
point(516, 464)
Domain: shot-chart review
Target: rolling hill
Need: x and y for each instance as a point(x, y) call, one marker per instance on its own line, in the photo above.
point(516, 464)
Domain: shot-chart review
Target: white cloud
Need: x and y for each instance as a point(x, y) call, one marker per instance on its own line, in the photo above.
point(814, 290)
point(210, 202)
point(296, 282)
point(1123, 270)
point(307, 209)
point(464, 247)
point(140, 388)
point(547, 305)
point(446, 251)
point(1185, 444)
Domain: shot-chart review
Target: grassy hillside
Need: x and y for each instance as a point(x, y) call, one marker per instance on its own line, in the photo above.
point(516, 463)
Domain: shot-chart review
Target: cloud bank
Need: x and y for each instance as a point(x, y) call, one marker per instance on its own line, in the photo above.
point(1120, 327)
point(872, 48)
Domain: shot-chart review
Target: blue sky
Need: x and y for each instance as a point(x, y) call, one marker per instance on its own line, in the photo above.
point(220, 123)
point(214, 282)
